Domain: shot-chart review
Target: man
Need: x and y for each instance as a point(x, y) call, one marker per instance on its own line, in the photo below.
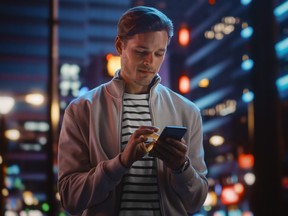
point(104, 167)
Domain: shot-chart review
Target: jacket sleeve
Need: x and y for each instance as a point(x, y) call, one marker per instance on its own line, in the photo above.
point(191, 185)
point(79, 183)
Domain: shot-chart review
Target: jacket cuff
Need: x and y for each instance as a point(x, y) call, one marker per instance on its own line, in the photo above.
point(114, 169)
point(187, 175)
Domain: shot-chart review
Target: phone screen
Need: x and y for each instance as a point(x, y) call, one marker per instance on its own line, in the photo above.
point(176, 132)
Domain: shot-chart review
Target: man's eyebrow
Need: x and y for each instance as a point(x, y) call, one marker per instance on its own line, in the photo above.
point(142, 47)
point(146, 48)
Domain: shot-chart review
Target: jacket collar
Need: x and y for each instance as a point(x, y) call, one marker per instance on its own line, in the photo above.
point(116, 86)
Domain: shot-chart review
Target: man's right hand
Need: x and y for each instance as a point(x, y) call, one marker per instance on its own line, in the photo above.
point(135, 149)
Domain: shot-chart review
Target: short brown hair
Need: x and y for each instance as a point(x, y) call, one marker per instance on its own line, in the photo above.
point(141, 19)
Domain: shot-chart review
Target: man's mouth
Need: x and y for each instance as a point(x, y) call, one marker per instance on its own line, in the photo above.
point(144, 70)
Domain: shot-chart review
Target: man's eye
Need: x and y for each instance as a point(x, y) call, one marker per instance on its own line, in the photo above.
point(159, 54)
point(140, 52)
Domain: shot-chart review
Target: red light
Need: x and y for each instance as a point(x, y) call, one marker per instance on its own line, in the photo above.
point(184, 84)
point(212, 2)
point(184, 36)
point(232, 194)
point(285, 182)
point(229, 196)
point(246, 161)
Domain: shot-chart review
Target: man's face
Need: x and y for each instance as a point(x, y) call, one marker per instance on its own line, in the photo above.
point(141, 58)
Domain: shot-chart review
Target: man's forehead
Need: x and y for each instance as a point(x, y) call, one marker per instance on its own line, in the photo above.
point(159, 38)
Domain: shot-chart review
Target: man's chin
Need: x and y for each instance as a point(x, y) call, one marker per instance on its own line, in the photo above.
point(145, 81)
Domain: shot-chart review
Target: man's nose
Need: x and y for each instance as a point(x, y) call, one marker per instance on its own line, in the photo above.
point(148, 59)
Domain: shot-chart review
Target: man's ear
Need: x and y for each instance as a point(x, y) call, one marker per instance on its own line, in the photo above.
point(118, 45)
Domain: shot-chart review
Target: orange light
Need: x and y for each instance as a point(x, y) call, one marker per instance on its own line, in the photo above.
point(239, 188)
point(109, 56)
point(246, 161)
point(184, 36)
point(204, 83)
point(184, 84)
point(113, 64)
point(211, 199)
point(247, 213)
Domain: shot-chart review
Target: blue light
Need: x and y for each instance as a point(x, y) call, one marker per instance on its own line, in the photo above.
point(220, 213)
point(213, 97)
point(247, 64)
point(248, 96)
point(83, 90)
point(282, 83)
point(247, 32)
point(218, 189)
point(9, 182)
point(246, 2)
point(282, 48)
point(213, 124)
point(13, 170)
point(281, 9)
point(235, 212)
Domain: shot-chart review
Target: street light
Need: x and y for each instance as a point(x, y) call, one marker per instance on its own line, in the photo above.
point(6, 105)
point(35, 99)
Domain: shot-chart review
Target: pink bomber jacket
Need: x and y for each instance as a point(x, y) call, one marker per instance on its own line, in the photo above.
point(89, 175)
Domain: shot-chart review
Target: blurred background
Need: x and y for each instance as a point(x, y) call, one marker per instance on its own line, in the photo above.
point(229, 57)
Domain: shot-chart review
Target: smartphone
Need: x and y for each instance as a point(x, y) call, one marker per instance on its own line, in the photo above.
point(176, 132)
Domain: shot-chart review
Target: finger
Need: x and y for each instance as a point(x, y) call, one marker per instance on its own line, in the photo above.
point(172, 160)
point(166, 158)
point(147, 132)
point(172, 146)
point(145, 146)
point(142, 147)
point(153, 128)
point(149, 146)
point(154, 136)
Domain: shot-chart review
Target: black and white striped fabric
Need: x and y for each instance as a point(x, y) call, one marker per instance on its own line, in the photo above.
point(140, 195)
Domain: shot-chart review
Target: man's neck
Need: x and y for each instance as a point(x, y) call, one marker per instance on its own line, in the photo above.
point(136, 89)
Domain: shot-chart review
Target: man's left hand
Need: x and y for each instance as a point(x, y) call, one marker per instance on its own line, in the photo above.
point(171, 151)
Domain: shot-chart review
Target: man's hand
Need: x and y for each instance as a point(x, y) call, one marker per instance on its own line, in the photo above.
point(171, 151)
point(135, 148)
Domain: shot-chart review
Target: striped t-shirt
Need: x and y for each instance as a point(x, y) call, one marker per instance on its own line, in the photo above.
point(140, 195)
